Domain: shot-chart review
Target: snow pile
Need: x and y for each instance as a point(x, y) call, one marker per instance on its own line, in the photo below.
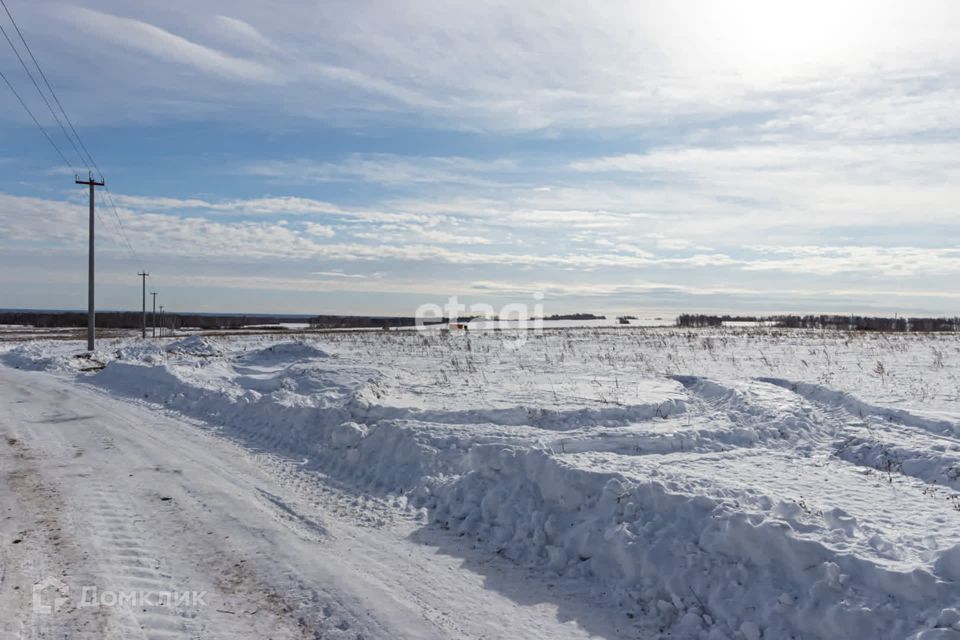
point(703, 565)
point(142, 352)
point(197, 346)
point(292, 351)
point(704, 502)
point(37, 356)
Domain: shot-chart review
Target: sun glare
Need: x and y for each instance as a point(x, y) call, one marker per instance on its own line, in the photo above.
point(763, 37)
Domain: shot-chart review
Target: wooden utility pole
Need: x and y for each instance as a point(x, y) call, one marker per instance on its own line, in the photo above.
point(153, 315)
point(91, 311)
point(143, 319)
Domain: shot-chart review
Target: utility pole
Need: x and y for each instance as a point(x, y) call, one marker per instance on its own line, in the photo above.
point(161, 321)
point(91, 311)
point(153, 315)
point(143, 320)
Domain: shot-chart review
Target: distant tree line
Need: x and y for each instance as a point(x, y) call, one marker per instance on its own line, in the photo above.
point(847, 323)
point(574, 316)
point(367, 322)
point(71, 319)
point(133, 319)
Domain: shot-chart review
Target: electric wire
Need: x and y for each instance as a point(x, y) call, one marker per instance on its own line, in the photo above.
point(42, 94)
point(49, 87)
point(86, 160)
point(37, 122)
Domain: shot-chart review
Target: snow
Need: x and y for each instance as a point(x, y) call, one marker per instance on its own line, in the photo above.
point(279, 325)
point(121, 499)
point(728, 483)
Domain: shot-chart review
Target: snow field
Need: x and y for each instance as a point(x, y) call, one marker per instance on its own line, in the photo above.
point(712, 484)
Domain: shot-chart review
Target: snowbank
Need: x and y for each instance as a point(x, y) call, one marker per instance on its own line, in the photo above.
point(703, 566)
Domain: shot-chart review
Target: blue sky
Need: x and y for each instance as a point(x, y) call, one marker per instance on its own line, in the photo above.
point(370, 157)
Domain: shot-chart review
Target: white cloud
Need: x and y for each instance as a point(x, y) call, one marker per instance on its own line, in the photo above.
point(272, 206)
point(242, 34)
point(319, 230)
point(883, 261)
point(401, 233)
point(745, 191)
point(163, 45)
point(535, 65)
point(388, 169)
point(337, 274)
point(374, 85)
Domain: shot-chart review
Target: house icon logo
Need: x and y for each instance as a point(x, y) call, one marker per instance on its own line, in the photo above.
point(49, 595)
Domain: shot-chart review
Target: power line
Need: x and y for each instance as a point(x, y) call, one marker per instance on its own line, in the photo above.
point(37, 122)
point(123, 231)
point(50, 88)
point(88, 161)
point(40, 91)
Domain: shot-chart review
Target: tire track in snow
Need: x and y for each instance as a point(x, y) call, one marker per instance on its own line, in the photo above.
point(749, 414)
point(124, 548)
point(236, 594)
point(892, 441)
point(832, 398)
point(814, 419)
point(44, 550)
point(714, 417)
point(131, 564)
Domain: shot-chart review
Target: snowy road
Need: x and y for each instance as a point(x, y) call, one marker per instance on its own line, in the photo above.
point(145, 526)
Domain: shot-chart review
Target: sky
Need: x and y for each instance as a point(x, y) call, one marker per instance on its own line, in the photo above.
point(373, 156)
